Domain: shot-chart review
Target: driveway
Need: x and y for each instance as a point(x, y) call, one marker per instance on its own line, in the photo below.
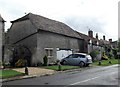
point(35, 71)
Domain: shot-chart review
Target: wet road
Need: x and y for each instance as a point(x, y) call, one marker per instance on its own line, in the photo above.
point(107, 75)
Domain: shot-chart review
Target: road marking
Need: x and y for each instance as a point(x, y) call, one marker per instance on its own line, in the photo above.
point(91, 79)
point(84, 80)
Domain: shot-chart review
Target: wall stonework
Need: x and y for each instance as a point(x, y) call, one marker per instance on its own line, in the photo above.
point(52, 40)
point(20, 30)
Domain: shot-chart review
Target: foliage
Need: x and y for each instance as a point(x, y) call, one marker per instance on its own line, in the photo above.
point(20, 62)
point(104, 56)
point(110, 55)
point(4, 64)
point(45, 60)
point(119, 45)
point(106, 62)
point(114, 53)
point(93, 54)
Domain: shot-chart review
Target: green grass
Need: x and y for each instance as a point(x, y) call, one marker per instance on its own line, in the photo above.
point(63, 67)
point(9, 73)
point(106, 62)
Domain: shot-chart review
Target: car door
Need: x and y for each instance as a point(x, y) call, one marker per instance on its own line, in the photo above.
point(69, 59)
point(75, 60)
point(83, 58)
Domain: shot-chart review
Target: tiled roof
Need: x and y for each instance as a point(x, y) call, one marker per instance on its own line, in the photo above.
point(87, 38)
point(46, 24)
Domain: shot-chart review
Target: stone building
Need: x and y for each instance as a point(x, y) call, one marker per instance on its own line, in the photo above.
point(1, 37)
point(38, 36)
point(90, 43)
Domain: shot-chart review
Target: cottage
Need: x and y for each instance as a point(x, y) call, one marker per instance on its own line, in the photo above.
point(90, 42)
point(37, 36)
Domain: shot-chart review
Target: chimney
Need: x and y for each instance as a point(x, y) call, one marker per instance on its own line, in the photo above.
point(103, 37)
point(96, 35)
point(110, 40)
point(90, 33)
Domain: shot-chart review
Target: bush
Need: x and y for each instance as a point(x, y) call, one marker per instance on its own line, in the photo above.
point(45, 60)
point(20, 63)
point(110, 55)
point(115, 53)
point(94, 54)
point(104, 56)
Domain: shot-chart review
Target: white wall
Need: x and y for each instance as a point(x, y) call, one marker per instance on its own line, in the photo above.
point(63, 53)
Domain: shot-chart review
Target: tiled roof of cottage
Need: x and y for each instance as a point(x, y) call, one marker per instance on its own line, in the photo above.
point(103, 42)
point(46, 24)
point(87, 38)
point(94, 40)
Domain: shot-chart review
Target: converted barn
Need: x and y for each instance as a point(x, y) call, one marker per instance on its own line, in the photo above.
point(34, 36)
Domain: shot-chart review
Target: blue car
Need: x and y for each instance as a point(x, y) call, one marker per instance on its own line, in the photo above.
point(80, 59)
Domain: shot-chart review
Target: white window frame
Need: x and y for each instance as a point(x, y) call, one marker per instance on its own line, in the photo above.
point(49, 54)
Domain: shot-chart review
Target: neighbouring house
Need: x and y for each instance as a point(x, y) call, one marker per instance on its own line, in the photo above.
point(90, 42)
point(93, 43)
point(1, 38)
point(113, 44)
point(33, 36)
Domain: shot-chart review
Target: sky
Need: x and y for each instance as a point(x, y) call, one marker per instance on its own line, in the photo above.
point(101, 16)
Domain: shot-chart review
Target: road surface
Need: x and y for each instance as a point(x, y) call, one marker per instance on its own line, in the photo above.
point(107, 75)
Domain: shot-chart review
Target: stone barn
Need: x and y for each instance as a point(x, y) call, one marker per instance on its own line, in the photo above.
point(41, 36)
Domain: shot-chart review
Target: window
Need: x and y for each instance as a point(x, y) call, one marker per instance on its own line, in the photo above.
point(49, 52)
point(82, 56)
point(73, 56)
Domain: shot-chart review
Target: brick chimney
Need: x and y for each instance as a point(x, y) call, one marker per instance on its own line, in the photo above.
point(103, 37)
point(90, 33)
point(96, 35)
point(110, 40)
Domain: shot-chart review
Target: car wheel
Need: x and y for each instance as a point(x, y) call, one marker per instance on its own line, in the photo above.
point(82, 64)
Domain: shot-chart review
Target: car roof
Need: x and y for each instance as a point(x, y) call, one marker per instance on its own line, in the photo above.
point(81, 53)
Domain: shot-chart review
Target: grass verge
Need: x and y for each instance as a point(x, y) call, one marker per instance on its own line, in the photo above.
point(63, 67)
point(106, 62)
point(9, 73)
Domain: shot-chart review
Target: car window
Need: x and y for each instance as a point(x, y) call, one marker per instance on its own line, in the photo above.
point(70, 56)
point(82, 56)
point(75, 55)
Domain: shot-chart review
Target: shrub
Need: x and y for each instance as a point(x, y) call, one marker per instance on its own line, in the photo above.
point(110, 55)
point(114, 53)
point(104, 56)
point(20, 63)
point(94, 54)
point(45, 60)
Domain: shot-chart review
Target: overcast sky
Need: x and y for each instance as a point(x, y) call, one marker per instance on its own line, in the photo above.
point(101, 16)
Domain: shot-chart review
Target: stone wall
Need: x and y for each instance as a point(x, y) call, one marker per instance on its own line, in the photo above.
point(53, 41)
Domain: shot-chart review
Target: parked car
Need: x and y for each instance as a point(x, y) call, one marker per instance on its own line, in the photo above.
point(80, 59)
